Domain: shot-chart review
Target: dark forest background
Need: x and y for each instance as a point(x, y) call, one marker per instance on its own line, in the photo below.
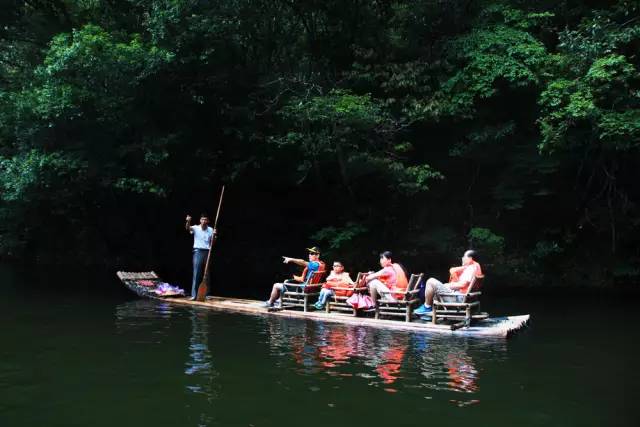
point(420, 127)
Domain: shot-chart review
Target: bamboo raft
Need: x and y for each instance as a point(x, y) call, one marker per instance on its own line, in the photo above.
point(491, 327)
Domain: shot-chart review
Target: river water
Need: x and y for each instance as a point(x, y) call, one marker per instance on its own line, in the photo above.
point(93, 355)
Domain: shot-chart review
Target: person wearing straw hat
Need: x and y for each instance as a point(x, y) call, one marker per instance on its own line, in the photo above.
point(311, 266)
point(202, 237)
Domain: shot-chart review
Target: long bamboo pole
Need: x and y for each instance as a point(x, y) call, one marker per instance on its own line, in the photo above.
point(203, 289)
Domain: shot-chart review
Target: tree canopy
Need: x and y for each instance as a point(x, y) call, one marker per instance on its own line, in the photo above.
point(424, 127)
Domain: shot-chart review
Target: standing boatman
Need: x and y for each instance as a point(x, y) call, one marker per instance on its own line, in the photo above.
point(202, 238)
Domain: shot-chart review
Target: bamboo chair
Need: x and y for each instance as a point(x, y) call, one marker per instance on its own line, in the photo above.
point(339, 302)
point(298, 294)
point(401, 307)
point(462, 307)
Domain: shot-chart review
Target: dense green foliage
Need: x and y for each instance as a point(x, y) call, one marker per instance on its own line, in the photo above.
point(423, 127)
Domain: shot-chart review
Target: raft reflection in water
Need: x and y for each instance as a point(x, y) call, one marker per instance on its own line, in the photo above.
point(388, 360)
point(393, 361)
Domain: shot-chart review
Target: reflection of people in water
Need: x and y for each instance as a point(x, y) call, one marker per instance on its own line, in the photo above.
point(200, 356)
point(389, 369)
point(446, 363)
point(199, 367)
point(144, 319)
point(462, 372)
point(318, 346)
point(389, 363)
point(337, 348)
point(296, 340)
point(326, 348)
point(329, 347)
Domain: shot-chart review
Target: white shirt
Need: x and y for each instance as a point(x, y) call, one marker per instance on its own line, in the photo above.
point(344, 277)
point(468, 273)
point(201, 238)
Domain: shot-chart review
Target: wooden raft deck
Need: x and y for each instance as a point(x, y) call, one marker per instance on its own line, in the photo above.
point(492, 327)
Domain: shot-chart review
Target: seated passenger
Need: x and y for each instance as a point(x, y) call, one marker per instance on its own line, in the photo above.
point(390, 282)
point(314, 264)
point(459, 280)
point(337, 278)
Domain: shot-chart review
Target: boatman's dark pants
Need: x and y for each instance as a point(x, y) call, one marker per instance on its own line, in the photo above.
point(199, 259)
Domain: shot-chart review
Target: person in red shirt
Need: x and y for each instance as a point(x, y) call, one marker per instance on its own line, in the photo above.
point(459, 280)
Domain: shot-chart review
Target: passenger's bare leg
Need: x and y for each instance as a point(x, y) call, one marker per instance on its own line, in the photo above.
point(373, 292)
point(430, 291)
point(275, 293)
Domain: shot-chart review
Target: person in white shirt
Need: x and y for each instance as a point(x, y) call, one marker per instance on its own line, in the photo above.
point(337, 278)
point(460, 279)
point(202, 238)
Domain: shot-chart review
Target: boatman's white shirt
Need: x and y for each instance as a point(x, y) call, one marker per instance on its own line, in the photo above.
point(201, 238)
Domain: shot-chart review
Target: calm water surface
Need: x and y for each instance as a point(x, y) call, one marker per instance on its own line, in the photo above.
point(99, 357)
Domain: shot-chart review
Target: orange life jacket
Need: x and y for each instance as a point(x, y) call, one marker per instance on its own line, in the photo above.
point(401, 282)
point(454, 277)
point(332, 284)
